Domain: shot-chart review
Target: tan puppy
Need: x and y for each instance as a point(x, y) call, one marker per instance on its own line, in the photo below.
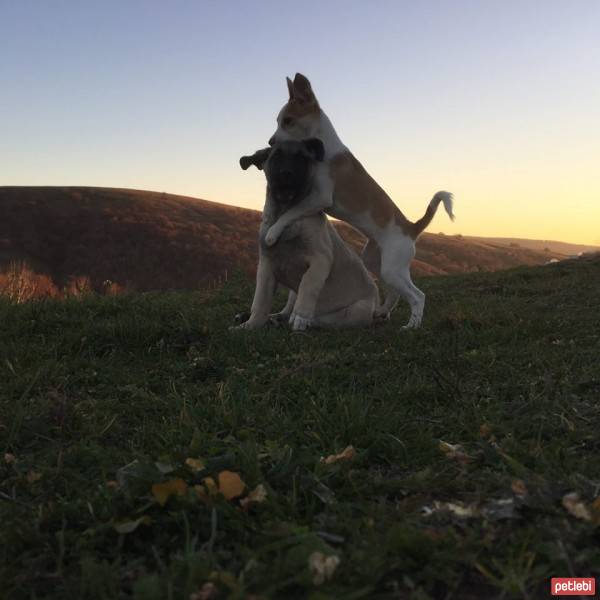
point(329, 285)
point(346, 191)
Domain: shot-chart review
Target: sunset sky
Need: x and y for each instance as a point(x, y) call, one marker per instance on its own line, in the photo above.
point(496, 101)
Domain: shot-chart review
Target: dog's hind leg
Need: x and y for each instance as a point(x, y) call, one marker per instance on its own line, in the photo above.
point(371, 257)
point(359, 314)
point(395, 272)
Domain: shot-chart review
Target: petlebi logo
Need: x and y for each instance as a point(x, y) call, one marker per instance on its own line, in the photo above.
point(573, 586)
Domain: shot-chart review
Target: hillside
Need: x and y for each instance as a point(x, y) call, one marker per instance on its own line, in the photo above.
point(472, 470)
point(540, 245)
point(155, 241)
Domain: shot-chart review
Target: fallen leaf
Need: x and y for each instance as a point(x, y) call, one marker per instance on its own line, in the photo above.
point(163, 491)
point(33, 476)
point(163, 467)
point(322, 567)
point(575, 507)
point(195, 464)
point(230, 484)
point(112, 484)
point(484, 431)
point(207, 592)
point(596, 511)
point(256, 496)
point(9, 458)
point(454, 452)
point(518, 487)
point(129, 526)
point(497, 510)
point(458, 509)
point(347, 453)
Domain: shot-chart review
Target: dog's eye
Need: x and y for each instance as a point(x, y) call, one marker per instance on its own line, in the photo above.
point(287, 121)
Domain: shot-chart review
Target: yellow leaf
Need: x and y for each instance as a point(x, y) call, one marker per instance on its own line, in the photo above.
point(207, 489)
point(575, 507)
point(518, 487)
point(163, 491)
point(33, 476)
point(256, 496)
point(195, 464)
point(230, 484)
point(347, 453)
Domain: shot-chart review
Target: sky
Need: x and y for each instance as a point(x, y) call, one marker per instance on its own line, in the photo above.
point(495, 101)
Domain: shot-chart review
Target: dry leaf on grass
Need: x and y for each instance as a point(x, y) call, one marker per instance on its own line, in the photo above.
point(33, 476)
point(322, 567)
point(129, 526)
point(485, 431)
point(195, 464)
point(163, 491)
point(347, 453)
point(207, 592)
point(519, 488)
point(576, 507)
point(9, 458)
point(230, 484)
point(454, 452)
point(256, 496)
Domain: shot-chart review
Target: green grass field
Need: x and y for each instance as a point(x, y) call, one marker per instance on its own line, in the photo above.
point(468, 434)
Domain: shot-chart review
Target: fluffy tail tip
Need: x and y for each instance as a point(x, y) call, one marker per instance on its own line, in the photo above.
point(448, 200)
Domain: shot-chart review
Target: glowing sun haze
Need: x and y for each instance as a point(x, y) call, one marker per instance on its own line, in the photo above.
point(496, 101)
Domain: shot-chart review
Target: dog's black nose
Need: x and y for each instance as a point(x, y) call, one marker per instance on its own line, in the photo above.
point(272, 140)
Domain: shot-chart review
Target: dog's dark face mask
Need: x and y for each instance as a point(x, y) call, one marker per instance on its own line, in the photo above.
point(287, 166)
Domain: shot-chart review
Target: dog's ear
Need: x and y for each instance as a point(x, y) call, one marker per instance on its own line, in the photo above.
point(258, 159)
point(315, 147)
point(290, 85)
point(302, 90)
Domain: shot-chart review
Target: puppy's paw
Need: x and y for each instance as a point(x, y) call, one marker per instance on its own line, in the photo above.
point(300, 323)
point(380, 314)
point(272, 236)
point(241, 318)
point(279, 319)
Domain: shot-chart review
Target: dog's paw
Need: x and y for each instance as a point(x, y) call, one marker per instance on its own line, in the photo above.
point(413, 323)
point(300, 323)
point(241, 318)
point(278, 319)
point(381, 314)
point(272, 236)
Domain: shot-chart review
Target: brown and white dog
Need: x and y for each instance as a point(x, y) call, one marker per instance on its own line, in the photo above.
point(346, 191)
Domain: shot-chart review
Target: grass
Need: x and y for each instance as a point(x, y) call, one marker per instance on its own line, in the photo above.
point(506, 366)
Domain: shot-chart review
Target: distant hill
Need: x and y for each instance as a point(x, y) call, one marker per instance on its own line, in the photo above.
point(155, 241)
point(553, 246)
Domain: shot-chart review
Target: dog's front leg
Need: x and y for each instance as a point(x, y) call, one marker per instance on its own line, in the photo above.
point(310, 287)
point(284, 315)
point(321, 198)
point(263, 296)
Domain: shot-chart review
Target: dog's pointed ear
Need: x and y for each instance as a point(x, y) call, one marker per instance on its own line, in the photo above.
point(303, 91)
point(315, 147)
point(258, 159)
point(290, 85)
